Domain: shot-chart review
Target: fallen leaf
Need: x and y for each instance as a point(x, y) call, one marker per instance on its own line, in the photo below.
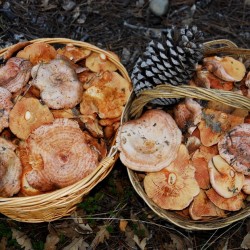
point(80, 222)
point(130, 238)
point(141, 244)
point(3, 243)
point(52, 239)
point(122, 225)
point(101, 235)
point(245, 244)
point(22, 239)
point(77, 244)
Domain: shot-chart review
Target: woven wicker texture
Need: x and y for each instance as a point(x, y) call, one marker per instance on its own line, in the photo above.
point(62, 202)
point(134, 109)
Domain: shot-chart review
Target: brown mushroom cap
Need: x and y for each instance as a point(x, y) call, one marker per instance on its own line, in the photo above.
point(223, 178)
point(65, 155)
point(246, 185)
point(38, 53)
point(5, 107)
point(174, 187)
point(202, 208)
point(234, 203)
point(58, 83)
point(149, 143)
point(234, 147)
point(99, 62)
point(226, 68)
point(10, 169)
point(27, 115)
point(15, 74)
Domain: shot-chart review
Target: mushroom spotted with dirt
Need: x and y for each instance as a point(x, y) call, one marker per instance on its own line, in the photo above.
point(15, 74)
point(10, 169)
point(174, 187)
point(234, 147)
point(149, 143)
point(58, 83)
point(223, 178)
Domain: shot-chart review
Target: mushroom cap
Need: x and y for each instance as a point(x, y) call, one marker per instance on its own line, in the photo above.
point(10, 169)
point(38, 53)
point(226, 68)
point(58, 83)
point(74, 53)
point(15, 74)
point(99, 62)
point(223, 178)
point(106, 96)
point(203, 208)
point(234, 203)
point(173, 187)
point(149, 143)
point(5, 107)
point(234, 147)
point(246, 185)
point(65, 153)
point(27, 115)
point(247, 81)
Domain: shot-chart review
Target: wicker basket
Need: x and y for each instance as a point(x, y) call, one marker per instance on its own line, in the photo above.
point(62, 202)
point(134, 109)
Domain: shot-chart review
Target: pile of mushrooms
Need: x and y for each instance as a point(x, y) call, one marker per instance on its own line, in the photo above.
point(60, 109)
point(194, 158)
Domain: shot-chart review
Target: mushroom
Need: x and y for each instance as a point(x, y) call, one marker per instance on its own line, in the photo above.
point(107, 96)
point(149, 143)
point(234, 147)
point(27, 115)
point(234, 203)
point(223, 178)
point(99, 62)
point(173, 187)
point(60, 154)
point(38, 53)
point(5, 107)
point(226, 68)
point(15, 74)
point(74, 53)
point(202, 208)
point(247, 81)
point(10, 169)
point(246, 185)
point(14, 48)
point(58, 83)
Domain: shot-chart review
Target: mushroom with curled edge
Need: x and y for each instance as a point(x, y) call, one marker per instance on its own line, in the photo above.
point(226, 68)
point(15, 74)
point(10, 169)
point(38, 53)
point(60, 154)
point(27, 115)
point(5, 108)
point(58, 83)
point(202, 208)
point(246, 185)
point(234, 147)
point(149, 143)
point(173, 187)
point(224, 179)
point(234, 203)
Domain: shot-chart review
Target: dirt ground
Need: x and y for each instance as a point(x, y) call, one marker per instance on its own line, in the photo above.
point(125, 27)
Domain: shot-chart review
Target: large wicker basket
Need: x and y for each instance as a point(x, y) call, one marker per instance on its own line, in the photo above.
point(134, 109)
point(62, 202)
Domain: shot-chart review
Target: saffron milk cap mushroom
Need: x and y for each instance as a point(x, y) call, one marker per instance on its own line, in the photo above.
point(149, 143)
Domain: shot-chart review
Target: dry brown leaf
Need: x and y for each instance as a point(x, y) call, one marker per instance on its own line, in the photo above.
point(100, 237)
point(122, 225)
point(141, 244)
point(52, 239)
point(3, 243)
point(245, 244)
point(22, 239)
point(130, 238)
point(77, 244)
point(80, 222)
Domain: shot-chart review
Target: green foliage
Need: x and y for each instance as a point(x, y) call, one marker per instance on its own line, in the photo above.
point(38, 245)
point(91, 204)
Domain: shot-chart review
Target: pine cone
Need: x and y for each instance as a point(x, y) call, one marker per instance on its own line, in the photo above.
point(172, 60)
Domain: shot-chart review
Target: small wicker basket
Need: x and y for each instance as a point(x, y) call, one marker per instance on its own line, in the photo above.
point(134, 109)
point(62, 202)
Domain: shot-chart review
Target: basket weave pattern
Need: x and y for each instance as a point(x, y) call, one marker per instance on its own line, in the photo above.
point(62, 202)
point(134, 109)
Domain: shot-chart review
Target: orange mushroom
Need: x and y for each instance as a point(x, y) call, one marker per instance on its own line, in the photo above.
point(223, 178)
point(226, 68)
point(5, 107)
point(246, 185)
point(174, 187)
point(58, 83)
point(149, 143)
point(38, 53)
point(234, 147)
point(203, 209)
point(15, 74)
point(10, 169)
point(234, 203)
point(27, 115)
